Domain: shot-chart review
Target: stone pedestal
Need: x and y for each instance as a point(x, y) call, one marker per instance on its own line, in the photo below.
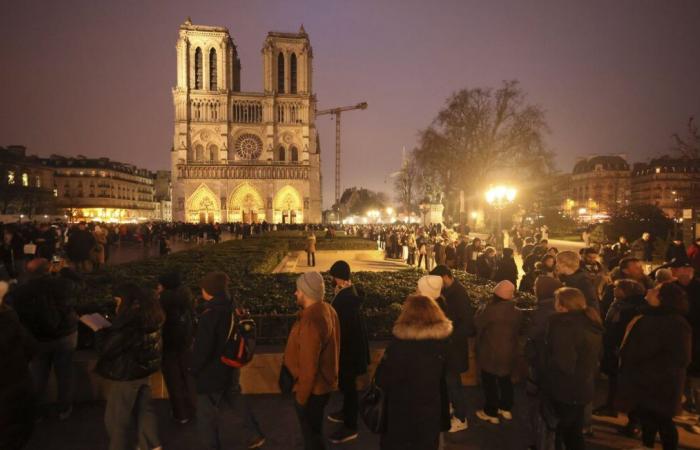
point(432, 213)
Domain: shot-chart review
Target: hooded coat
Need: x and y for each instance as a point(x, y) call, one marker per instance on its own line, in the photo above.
point(498, 325)
point(412, 376)
point(653, 362)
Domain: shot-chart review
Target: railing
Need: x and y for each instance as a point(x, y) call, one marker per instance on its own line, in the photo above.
point(247, 111)
point(298, 172)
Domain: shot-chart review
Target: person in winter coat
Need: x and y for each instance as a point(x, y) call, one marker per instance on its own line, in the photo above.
point(178, 334)
point(99, 249)
point(653, 360)
point(439, 251)
point(471, 253)
point(693, 253)
point(643, 248)
point(629, 303)
point(676, 251)
point(17, 347)
point(43, 305)
point(354, 350)
point(572, 353)
point(506, 269)
point(412, 377)
point(130, 350)
point(312, 356)
point(571, 274)
point(486, 264)
point(630, 268)
point(80, 244)
point(217, 384)
point(311, 249)
point(459, 310)
point(498, 325)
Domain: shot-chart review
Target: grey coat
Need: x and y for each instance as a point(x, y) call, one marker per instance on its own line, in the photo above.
point(498, 325)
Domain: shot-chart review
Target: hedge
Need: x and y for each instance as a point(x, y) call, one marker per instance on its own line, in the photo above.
point(270, 297)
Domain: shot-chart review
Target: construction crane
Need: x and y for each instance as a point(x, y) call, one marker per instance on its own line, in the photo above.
point(336, 112)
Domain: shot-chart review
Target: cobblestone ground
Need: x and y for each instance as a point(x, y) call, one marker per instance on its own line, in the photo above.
point(85, 430)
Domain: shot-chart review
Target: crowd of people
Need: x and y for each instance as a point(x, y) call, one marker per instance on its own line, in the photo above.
point(594, 314)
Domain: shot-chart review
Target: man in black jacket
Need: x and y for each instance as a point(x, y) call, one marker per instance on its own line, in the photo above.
point(354, 350)
point(458, 308)
point(43, 307)
point(216, 383)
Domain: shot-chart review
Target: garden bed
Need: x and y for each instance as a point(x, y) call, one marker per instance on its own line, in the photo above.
point(270, 297)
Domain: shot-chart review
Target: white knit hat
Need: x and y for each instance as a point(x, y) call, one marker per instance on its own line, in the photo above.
point(430, 286)
point(505, 290)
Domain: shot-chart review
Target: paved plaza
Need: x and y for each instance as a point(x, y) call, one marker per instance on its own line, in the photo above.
point(85, 429)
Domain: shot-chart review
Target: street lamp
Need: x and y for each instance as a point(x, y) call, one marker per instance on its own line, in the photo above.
point(499, 197)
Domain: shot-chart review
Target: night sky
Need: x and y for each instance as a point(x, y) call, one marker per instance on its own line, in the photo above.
point(95, 77)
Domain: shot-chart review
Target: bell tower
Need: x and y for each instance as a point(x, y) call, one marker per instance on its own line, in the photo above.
point(287, 62)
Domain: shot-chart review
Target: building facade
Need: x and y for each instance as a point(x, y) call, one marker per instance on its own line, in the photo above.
point(244, 156)
point(102, 190)
point(672, 184)
point(26, 184)
point(163, 195)
point(600, 185)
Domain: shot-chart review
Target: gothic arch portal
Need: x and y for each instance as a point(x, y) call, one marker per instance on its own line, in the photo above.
point(287, 206)
point(203, 206)
point(246, 205)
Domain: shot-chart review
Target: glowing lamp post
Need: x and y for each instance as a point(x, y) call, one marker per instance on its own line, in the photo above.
point(499, 197)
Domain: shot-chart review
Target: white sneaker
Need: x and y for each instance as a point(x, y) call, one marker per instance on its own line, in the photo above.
point(505, 414)
point(486, 418)
point(458, 425)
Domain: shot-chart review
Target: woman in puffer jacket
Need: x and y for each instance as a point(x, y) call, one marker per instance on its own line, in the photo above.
point(130, 351)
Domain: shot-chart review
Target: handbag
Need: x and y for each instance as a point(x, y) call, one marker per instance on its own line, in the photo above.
point(286, 380)
point(373, 405)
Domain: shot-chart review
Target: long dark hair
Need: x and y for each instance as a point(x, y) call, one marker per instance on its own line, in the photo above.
point(139, 304)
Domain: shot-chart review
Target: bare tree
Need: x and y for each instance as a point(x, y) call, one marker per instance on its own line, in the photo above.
point(689, 146)
point(405, 181)
point(482, 135)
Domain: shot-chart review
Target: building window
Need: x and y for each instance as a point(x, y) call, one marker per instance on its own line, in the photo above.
point(199, 153)
point(198, 68)
point(212, 69)
point(293, 74)
point(212, 153)
point(25, 180)
point(280, 154)
point(55, 192)
point(295, 154)
point(280, 73)
point(37, 181)
point(10, 177)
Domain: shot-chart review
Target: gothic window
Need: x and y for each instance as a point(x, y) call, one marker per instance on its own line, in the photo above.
point(212, 153)
point(198, 68)
point(293, 74)
point(280, 73)
point(295, 154)
point(280, 153)
point(248, 146)
point(212, 69)
point(199, 153)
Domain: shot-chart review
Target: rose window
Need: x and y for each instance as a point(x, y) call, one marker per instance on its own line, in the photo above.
point(248, 146)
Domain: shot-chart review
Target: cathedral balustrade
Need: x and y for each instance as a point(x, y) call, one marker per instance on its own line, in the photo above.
point(247, 111)
point(261, 172)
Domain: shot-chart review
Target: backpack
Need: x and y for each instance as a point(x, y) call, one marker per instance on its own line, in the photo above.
point(239, 347)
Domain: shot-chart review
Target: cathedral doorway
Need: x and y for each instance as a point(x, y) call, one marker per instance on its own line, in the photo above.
point(246, 205)
point(288, 206)
point(202, 206)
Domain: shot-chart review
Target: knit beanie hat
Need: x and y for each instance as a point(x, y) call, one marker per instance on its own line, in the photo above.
point(545, 287)
point(430, 286)
point(170, 280)
point(505, 290)
point(312, 285)
point(340, 269)
point(215, 283)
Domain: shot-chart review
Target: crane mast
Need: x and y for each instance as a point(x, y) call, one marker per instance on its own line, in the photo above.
point(336, 112)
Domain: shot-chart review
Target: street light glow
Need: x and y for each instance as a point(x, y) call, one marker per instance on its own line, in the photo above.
point(500, 196)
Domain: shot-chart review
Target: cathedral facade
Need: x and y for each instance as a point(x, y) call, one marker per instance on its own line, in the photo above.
point(244, 156)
